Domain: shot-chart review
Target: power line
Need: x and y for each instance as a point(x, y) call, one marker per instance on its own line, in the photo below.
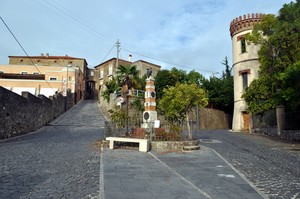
point(24, 50)
point(85, 24)
point(108, 53)
point(64, 11)
point(167, 61)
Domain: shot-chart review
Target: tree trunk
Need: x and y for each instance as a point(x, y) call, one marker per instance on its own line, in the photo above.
point(188, 126)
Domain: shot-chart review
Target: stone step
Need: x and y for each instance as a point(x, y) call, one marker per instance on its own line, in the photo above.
point(191, 148)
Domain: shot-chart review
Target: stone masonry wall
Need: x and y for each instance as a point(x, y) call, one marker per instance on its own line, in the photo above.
point(23, 114)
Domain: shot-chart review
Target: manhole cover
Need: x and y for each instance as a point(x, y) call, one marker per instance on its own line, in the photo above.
point(210, 141)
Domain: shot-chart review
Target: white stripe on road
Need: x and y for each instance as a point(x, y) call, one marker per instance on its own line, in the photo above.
point(183, 178)
point(101, 178)
point(240, 174)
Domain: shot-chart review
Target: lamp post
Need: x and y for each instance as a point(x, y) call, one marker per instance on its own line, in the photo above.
point(67, 86)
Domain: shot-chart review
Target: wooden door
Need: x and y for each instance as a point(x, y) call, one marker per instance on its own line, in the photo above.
point(246, 120)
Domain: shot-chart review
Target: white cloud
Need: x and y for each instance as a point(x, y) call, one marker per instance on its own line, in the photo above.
point(193, 33)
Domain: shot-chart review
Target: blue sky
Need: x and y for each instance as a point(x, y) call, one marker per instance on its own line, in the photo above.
point(187, 34)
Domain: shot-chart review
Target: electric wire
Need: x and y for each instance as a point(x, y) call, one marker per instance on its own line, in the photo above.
point(85, 24)
point(24, 50)
point(108, 53)
point(164, 61)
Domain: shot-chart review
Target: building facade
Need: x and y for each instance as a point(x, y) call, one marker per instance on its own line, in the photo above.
point(245, 66)
point(105, 71)
point(45, 75)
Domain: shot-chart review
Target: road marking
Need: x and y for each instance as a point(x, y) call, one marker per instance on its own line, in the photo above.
point(101, 178)
point(227, 176)
point(240, 174)
point(183, 178)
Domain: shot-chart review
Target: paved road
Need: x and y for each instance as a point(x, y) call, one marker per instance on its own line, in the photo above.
point(272, 165)
point(61, 160)
point(129, 174)
point(58, 161)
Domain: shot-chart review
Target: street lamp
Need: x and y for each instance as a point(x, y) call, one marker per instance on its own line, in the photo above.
point(67, 86)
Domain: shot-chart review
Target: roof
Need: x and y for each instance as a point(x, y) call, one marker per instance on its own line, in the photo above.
point(127, 62)
point(22, 76)
point(48, 57)
point(148, 63)
point(111, 60)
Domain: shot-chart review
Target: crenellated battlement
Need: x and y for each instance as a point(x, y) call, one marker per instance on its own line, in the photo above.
point(245, 22)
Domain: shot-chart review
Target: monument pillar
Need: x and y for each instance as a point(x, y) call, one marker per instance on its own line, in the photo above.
point(150, 113)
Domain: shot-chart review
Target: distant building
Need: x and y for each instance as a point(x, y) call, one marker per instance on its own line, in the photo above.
point(245, 66)
point(45, 75)
point(105, 71)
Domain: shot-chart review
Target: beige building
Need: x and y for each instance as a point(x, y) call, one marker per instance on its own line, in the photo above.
point(105, 71)
point(45, 75)
point(245, 66)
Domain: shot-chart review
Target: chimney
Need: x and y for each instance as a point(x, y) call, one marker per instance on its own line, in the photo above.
point(130, 58)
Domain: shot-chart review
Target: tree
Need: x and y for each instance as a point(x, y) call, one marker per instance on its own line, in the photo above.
point(279, 40)
point(220, 90)
point(129, 77)
point(194, 77)
point(163, 79)
point(177, 101)
point(111, 87)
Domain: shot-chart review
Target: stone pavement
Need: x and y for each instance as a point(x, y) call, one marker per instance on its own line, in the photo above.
point(62, 160)
point(271, 164)
point(199, 174)
point(59, 160)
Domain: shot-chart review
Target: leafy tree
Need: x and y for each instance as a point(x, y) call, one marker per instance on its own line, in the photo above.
point(163, 79)
point(220, 90)
point(258, 95)
point(291, 85)
point(194, 77)
point(178, 101)
point(111, 87)
point(180, 75)
point(279, 39)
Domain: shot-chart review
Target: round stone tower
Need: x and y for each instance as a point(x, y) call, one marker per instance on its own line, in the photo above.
point(245, 66)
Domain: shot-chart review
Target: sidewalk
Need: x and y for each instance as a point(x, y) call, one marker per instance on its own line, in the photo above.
point(199, 174)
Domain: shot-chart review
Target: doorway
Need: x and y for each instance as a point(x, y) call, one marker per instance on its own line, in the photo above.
point(246, 121)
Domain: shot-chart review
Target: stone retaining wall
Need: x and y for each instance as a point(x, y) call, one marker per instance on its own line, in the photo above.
point(23, 114)
point(293, 135)
point(171, 145)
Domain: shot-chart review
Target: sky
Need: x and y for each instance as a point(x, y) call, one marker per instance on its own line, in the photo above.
point(186, 34)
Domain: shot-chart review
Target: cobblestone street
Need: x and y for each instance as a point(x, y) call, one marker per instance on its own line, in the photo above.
point(62, 160)
point(58, 161)
point(271, 165)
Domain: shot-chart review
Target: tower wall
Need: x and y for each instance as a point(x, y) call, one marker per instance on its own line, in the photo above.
point(245, 63)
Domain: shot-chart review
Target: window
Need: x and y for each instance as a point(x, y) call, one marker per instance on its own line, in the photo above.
point(243, 45)
point(101, 74)
point(53, 78)
point(92, 73)
point(245, 81)
point(244, 74)
point(110, 70)
point(24, 73)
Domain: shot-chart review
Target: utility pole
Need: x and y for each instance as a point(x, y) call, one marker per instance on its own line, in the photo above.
point(118, 45)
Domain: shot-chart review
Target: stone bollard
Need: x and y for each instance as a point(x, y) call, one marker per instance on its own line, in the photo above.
point(280, 117)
